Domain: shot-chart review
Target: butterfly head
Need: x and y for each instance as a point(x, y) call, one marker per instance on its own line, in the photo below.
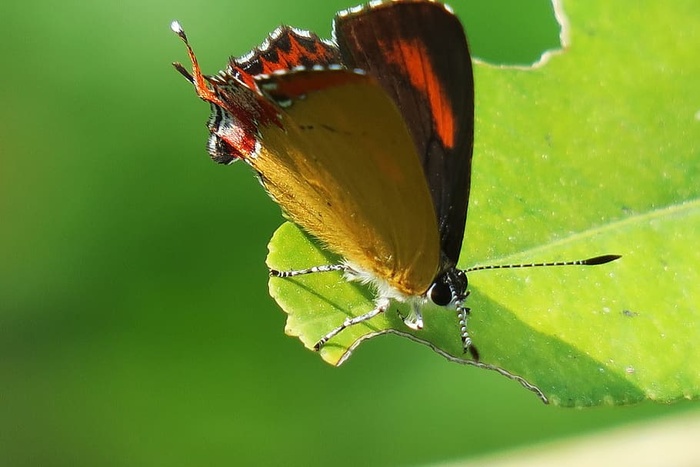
point(449, 288)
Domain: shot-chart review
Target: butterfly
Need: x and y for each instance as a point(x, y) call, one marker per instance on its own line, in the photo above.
point(366, 143)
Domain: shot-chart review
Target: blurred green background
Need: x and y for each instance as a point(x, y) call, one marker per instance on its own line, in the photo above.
point(135, 324)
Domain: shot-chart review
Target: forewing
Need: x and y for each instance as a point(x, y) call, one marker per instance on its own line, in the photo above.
point(418, 52)
point(343, 166)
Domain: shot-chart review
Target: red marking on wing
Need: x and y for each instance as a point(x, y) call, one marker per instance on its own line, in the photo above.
point(412, 55)
point(288, 49)
point(303, 82)
point(240, 98)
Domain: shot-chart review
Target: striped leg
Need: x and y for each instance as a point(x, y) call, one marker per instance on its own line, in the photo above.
point(380, 307)
point(300, 272)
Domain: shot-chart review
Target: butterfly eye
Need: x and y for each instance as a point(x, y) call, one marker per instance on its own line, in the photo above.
point(440, 292)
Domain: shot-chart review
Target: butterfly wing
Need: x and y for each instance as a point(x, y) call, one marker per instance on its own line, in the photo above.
point(287, 48)
point(418, 52)
point(334, 151)
point(343, 166)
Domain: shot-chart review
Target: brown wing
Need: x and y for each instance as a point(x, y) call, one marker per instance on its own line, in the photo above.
point(418, 52)
point(342, 165)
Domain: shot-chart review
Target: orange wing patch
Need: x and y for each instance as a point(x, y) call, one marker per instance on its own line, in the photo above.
point(412, 55)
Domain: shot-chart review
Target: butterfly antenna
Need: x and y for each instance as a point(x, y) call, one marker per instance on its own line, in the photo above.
point(581, 262)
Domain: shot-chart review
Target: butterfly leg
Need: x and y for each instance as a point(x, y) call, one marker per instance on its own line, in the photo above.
point(414, 319)
point(380, 307)
point(300, 272)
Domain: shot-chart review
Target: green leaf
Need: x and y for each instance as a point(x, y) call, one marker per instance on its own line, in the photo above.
point(594, 151)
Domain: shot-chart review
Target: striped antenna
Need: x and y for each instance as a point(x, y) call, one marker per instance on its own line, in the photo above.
point(581, 262)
